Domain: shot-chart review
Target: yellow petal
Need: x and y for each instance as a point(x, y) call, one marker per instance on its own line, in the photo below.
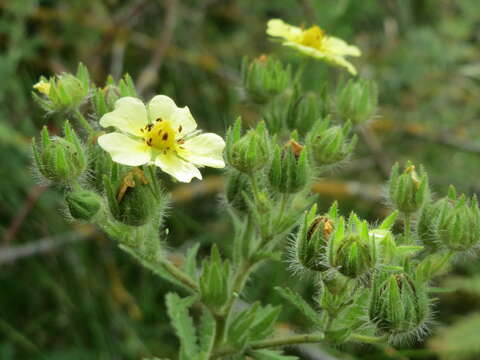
point(204, 150)
point(161, 106)
point(339, 47)
point(181, 170)
point(278, 28)
point(129, 116)
point(43, 87)
point(125, 150)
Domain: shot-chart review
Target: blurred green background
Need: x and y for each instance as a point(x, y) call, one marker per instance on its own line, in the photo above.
point(67, 292)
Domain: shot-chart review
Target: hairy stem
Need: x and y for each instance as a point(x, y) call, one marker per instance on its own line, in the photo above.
point(275, 342)
point(81, 119)
point(179, 275)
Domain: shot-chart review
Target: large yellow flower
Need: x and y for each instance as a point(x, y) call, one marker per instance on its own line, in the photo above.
point(162, 134)
point(314, 42)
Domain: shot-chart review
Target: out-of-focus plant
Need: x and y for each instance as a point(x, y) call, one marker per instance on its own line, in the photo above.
point(357, 267)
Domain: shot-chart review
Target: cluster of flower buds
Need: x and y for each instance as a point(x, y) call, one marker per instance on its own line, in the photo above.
point(357, 101)
point(304, 110)
point(250, 152)
point(60, 159)
point(264, 78)
point(330, 145)
point(63, 92)
point(408, 190)
point(452, 223)
point(399, 305)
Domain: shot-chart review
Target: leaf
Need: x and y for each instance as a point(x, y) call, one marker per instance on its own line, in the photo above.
point(296, 300)
point(207, 334)
point(265, 319)
point(459, 340)
point(389, 221)
point(190, 265)
point(182, 322)
point(271, 355)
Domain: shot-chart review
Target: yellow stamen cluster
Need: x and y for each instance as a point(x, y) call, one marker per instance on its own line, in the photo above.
point(313, 37)
point(161, 136)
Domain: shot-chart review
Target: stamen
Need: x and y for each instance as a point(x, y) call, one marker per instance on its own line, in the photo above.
point(159, 119)
point(165, 137)
point(180, 128)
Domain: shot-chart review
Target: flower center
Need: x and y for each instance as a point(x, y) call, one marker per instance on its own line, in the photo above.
point(161, 136)
point(313, 37)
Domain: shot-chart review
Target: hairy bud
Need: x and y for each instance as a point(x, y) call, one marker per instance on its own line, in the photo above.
point(264, 78)
point(237, 186)
point(289, 170)
point(64, 92)
point(357, 101)
point(331, 145)
point(250, 152)
point(399, 306)
point(408, 190)
point(83, 204)
point(214, 280)
point(303, 111)
point(60, 160)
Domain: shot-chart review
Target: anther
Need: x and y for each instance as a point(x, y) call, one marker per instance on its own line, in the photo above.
point(165, 137)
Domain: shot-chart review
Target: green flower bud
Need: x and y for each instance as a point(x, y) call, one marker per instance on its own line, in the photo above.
point(264, 78)
point(238, 185)
point(427, 224)
point(83, 204)
point(132, 200)
point(352, 251)
point(312, 239)
point(331, 145)
point(399, 305)
point(357, 101)
point(104, 99)
point(250, 152)
point(214, 280)
point(289, 170)
point(408, 190)
point(459, 223)
point(60, 160)
point(63, 92)
point(304, 111)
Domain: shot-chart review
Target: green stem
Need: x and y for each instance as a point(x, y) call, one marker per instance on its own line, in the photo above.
point(367, 339)
point(271, 343)
point(179, 275)
point(81, 119)
point(253, 181)
point(283, 205)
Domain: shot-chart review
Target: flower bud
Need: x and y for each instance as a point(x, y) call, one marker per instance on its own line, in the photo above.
point(352, 251)
point(237, 187)
point(60, 160)
point(264, 78)
point(250, 152)
point(332, 145)
point(428, 223)
point(103, 99)
point(63, 92)
point(214, 280)
point(459, 223)
point(408, 190)
point(303, 111)
point(311, 241)
point(289, 170)
point(399, 306)
point(83, 204)
point(357, 101)
point(132, 200)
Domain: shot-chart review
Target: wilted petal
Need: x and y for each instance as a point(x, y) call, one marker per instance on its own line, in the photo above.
point(125, 150)
point(129, 116)
point(204, 150)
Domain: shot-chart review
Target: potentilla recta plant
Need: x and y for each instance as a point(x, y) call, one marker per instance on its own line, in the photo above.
point(374, 284)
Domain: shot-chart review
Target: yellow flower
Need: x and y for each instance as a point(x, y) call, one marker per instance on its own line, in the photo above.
point(43, 87)
point(314, 42)
point(161, 134)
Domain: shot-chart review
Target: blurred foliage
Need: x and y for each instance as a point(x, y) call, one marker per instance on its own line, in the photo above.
point(88, 300)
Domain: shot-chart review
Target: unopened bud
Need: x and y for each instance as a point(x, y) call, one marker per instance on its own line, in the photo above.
point(264, 78)
point(237, 187)
point(357, 101)
point(303, 111)
point(60, 160)
point(289, 170)
point(83, 204)
point(408, 190)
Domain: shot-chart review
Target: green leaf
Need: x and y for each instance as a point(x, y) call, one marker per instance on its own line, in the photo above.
point(182, 322)
point(190, 265)
point(207, 333)
point(296, 300)
point(264, 322)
